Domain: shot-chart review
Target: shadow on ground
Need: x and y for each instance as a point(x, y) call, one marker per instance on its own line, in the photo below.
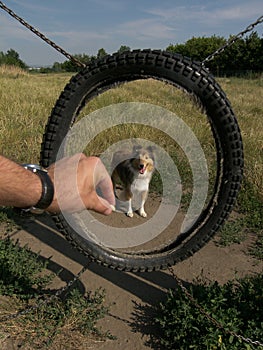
point(146, 289)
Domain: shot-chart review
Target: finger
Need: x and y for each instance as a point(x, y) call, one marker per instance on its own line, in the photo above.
point(103, 182)
point(102, 206)
point(106, 190)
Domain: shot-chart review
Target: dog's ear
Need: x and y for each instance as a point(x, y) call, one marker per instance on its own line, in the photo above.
point(151, 149)
point(136, 148)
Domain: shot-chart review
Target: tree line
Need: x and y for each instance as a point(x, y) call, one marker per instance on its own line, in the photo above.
point(246, 54)
point(11, 58)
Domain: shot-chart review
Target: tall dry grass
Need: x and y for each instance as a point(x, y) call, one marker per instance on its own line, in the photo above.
point(27, 100)
point(246, 97)
point(12, 71)
point(26, 103)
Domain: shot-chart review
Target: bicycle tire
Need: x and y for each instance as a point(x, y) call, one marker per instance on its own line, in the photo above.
point(192, 77)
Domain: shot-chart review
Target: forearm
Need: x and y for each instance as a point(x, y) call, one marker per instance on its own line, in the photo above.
point(18, 186)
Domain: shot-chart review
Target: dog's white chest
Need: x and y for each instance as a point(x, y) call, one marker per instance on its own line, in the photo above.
point(140, 185)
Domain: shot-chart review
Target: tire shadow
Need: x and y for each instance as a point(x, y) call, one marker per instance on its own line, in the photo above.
point(149, 287)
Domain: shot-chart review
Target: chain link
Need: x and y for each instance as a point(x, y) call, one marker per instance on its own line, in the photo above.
point(232, 40)
point(42, 36)
point(209, 58)
point(58, 293)
point(208, 316)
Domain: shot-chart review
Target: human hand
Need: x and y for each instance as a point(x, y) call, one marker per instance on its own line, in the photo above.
point(76, 180)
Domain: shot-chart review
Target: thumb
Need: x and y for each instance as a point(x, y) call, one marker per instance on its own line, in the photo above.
point(103, 206)
point(94, 202)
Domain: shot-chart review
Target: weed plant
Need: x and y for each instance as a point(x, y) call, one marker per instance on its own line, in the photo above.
point(20, 271)
point(24, 282)
point(237, 306)
point(249, 219)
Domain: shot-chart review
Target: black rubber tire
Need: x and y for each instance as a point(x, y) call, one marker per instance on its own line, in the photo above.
point(190, 76)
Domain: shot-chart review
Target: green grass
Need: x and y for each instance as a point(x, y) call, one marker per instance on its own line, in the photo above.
point(24, 281)
point(237, 306)
point(246, 99)
point(26, 102)
point(19, 271)
point(234, 231)
point(7, 220)
point(249, 220)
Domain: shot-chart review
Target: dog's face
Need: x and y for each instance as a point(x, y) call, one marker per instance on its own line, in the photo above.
point(143, 159)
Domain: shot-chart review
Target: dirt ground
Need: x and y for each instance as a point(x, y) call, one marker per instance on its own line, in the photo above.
point(130, 294)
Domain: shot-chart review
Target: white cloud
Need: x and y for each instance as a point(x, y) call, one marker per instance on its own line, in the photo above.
point(209, 15)
point(145, 28)
point(239, 12)
point(13, 30)
point(34, 6)
point(76, 36)
point(79, 41)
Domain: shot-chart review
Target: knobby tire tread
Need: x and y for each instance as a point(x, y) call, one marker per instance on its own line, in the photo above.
point(186, 74)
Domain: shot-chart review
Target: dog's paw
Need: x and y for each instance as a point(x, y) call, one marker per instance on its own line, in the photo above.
point(130, 214)
point(143, 214)
point(112, 207)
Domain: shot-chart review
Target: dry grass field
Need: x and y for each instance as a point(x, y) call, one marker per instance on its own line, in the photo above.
point(27, 100)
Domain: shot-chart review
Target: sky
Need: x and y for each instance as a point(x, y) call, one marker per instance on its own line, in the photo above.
point(85, 26)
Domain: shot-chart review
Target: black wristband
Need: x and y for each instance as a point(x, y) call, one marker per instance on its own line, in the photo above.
point(47, 186)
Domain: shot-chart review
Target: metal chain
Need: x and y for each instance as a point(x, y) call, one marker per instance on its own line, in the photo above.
point(47, 300)
point(232, 40)
point(208, 316)
point(42, 36)
point(82, 65)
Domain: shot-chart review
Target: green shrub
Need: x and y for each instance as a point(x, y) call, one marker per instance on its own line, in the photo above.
point(250, 205)
point(236, 306)
point(77, 313)
point(20, 271)
point(250, 219)
point(24, 282)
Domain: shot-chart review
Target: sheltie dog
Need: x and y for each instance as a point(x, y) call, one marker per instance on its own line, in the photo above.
point(134, 170)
